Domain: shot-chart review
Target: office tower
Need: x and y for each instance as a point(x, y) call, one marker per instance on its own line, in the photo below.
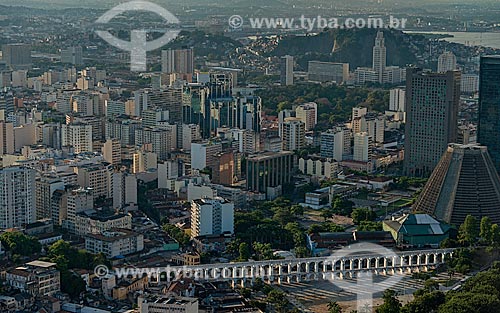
point(112, 151)
point(464, 182)
point(17, 56)
point(169, 99)
point(397, 100)
point(45, 187)
point(211, 217)
point(78, 136)
point(323, 72)
point(308, 114)
point(335, 143)
point(204, 154)
point(432, 101)
point(379, 56)
point(363, 147)
point(218, 94)
point(489, 107)
point(124, 190)
point(268, 170)
point(17, 197)
point(6, 138)
point(447, 62)
point(178, 61)
point(294, 134)
point(72, 55)
point(286, 70)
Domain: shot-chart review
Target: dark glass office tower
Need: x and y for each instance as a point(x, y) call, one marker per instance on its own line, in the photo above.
point(489, 107)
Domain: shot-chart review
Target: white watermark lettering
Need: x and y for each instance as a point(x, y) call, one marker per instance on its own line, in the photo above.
point(310, 24)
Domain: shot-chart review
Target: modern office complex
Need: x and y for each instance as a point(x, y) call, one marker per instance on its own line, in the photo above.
point(489, 107)
point(432, 101)
point(269, 169)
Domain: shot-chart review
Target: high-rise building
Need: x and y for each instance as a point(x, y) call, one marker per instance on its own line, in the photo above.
point(78, 136)
point(463, 183)
point(6, 138)
point(469, 83)
point(447, 61)
point(178, 61)
point(211, 217)
point(78, 200)
point(112, 151)
point(45, 188)
point(286, 70)
point(17, 197)
point(432, 101)
point(379, 56)
point(268, 170)
point(17, 56)
point(124, 190)
point(489, 107)
point(97, 177)
point(72, 55)
point(363, 147)
point(397, 100)
point(169, 99)
point(163, 141)
point(294, 134)
point(308, 113)
point(335, 143)
point(203, 154)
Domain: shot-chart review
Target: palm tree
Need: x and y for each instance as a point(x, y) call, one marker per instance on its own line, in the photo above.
point(334, 307)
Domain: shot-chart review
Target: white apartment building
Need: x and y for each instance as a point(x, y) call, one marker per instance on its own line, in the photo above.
point(17, 197)
point(293, 134)
point(115, 242)
point(211, 217)
point(363, 146)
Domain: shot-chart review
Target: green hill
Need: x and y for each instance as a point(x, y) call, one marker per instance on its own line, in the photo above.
point(354, 47)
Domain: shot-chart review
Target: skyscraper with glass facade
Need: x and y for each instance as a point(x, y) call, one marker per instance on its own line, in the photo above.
point(489, 107)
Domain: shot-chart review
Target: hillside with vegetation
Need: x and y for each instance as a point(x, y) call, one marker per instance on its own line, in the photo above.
point(354, 46)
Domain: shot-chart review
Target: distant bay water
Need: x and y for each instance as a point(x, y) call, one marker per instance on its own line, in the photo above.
point(491, 40)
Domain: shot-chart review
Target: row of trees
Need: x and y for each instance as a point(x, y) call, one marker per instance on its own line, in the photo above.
point(480, 294)
point(272, 225)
